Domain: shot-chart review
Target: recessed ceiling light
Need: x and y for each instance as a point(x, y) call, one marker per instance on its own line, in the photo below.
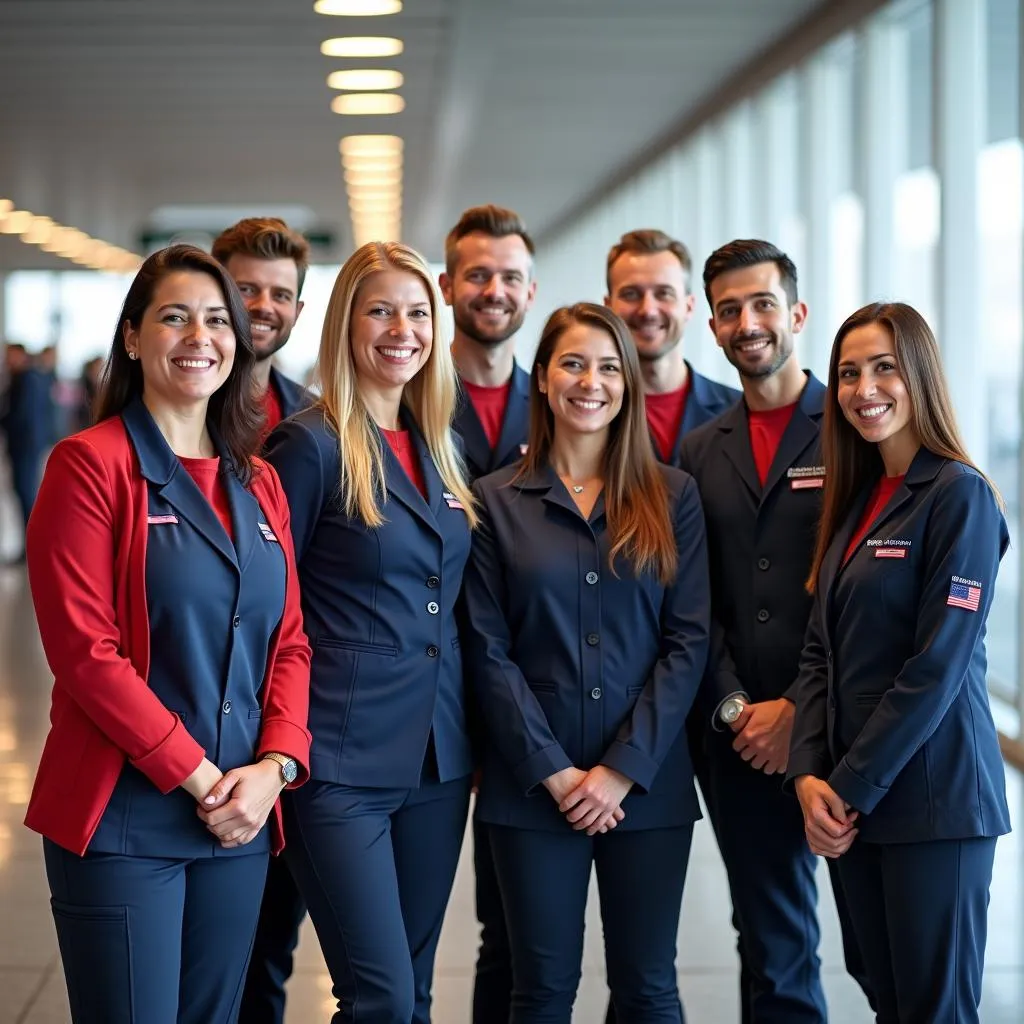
point(357, 8)
point(364, 145)
point(368, 103)
point(362, 46)
point(368, 176)
point(15, 222)
point(366, 79)
point(5, 207)
point(39, 231)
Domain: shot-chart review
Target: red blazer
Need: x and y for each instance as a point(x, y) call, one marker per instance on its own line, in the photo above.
point(86, 549)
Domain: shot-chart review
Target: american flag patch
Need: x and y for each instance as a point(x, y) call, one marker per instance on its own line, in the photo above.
point(160, 520)
point(452, 501)
point(964, 594)
point(267, 532)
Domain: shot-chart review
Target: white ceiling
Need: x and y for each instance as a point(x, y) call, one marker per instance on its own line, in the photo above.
point(116, 113)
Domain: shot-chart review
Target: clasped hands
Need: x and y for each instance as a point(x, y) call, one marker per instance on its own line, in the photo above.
point(828, 819)
point(590, 800)
point(763, 731)
point(234, 805)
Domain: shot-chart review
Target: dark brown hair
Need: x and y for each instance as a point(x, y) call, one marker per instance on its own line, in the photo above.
point(748, 252)
point(233, 410)
point(649, 241)
point(266, 238)
point(636, 497)
point(852, 463)
point(495, 221)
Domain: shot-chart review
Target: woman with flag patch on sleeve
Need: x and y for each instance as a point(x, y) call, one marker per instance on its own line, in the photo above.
point(894, 754)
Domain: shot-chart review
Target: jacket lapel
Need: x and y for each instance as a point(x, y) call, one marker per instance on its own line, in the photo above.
point(516, 424)
point(401, 488)
point(801, 432)
point(736, 445)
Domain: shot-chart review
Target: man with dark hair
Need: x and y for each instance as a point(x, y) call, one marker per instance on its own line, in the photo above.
point(760, 473)
point(268, 261)
point(489, 284)
point(648, 281)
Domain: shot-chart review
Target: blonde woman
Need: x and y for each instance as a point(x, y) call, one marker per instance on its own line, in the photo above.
point(381, 517)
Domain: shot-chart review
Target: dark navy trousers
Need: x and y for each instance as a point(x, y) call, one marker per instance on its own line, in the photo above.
point(273, 952)
point(544, 878)
point(492, 984)
point(920, 913)
point(154, 940)
point(376, 868)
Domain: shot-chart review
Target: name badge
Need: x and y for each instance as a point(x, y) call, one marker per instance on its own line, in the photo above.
point(890, 552)
point(452, 501)
point(267, 533)
point(890, 547)
point(806, 478)
point(161, 520)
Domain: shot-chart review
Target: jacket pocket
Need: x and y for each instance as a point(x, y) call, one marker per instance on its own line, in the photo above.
point(384, 650)
point(867, 699)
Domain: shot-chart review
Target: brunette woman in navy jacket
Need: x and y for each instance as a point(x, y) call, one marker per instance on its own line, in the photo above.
point(381, 517)
point(587, 595)
point(894, 753)
point(162, 573)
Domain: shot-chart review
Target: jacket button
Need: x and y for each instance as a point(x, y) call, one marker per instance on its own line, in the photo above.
point(592, 578)
point(433, 582)
point(433, 607)
point(236, 621)
point(763, 564)
point(432, 651)
point(593, 639)
point(763, 615)
point(595, 693)
point(226, 707)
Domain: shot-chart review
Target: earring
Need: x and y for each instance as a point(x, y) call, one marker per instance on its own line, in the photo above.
point(133, 355)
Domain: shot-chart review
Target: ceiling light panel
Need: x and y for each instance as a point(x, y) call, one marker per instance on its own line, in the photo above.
point(366, 79)
point(357, 8)
point(368, 103)
point(362, 46)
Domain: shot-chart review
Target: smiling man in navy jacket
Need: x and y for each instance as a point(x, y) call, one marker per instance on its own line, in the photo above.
point(648, 280)
point(759, 470)
point(490, 285)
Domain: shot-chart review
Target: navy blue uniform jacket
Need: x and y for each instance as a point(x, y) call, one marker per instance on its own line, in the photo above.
point(293, 396)
point(707, 400)
point(760, 542)
point(892, 708)
point(378, 608)
point(480, 458)
point(574, 665)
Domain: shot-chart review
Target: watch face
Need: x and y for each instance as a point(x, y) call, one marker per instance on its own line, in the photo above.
point(290, 771)
point(731, 710)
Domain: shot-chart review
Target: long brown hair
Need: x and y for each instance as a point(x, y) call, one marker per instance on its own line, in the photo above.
point(636, 498)
point(851, 463)
point(233, 410)
point(430, 395)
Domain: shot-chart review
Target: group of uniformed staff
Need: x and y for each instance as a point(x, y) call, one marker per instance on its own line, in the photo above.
point(654, 578)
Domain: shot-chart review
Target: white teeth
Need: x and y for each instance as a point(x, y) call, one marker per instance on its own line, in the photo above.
point(397, 353)
point(193, 364)
point(753, 346)
point(584, 403)
point(872, 412)
point(263, 328)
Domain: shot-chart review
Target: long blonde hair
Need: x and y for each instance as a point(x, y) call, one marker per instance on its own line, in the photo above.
point(430, 395)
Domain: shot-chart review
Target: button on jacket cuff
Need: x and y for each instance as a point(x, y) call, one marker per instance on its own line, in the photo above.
point(629, 761)
point(716, 722)
point(806, 764)
point(172, 761)
point(532, 772)
point(283, 737)
point(860, 794)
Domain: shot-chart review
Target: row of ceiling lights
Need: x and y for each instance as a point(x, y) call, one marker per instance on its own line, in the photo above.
point(68, 243)
point(372, 164)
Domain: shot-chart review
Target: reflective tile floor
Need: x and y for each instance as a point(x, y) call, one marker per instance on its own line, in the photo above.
point(32, 986)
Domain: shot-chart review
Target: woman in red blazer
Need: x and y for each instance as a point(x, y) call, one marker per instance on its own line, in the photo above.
point(163, 576)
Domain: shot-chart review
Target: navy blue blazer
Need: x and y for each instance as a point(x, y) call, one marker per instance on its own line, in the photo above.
point(379, 610)
point(515, 427)
point(707, 399)
point(892, 707)
point(293, 396)
point(760, 545)
point(574, 664)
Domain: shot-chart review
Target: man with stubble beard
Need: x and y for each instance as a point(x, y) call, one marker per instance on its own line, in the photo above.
point(648, 280)
point(489, 284)
point(760, 474)
point(268, 261)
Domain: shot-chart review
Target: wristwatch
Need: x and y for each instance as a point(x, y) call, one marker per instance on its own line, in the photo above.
point(288, 765)
point(731, 709)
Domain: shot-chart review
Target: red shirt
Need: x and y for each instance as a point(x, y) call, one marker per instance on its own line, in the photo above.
point(402, 446)
point(766, 430)
point(272, 411)
point(489, 404)
point(884, 490)
point(206, 473)
point(664, 416)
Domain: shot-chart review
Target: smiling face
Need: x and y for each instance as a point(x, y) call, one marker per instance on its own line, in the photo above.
point(391, 329)
point(871, 391)
point(270, 291)
point(184, 343)
point(583, 380)
point(752, 319)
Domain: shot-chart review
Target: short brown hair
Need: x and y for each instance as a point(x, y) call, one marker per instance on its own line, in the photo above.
point(266, 238)
point(748, 252)
point(648, 241)
point(495, 221)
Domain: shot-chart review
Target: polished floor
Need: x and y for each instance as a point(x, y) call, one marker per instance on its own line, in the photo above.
point(32, 986)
